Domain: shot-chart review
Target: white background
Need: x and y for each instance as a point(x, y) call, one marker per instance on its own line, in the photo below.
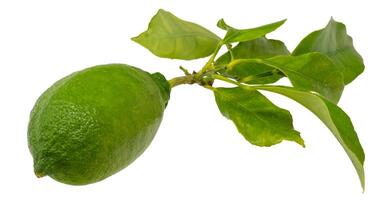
point(197, 154)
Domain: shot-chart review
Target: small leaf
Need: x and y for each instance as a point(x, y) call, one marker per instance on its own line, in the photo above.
point(313, 72)
point(333, 117)
point(242, 35)
point(257, 48)
point(254, 73)
point(256, 118)
point(334, 42)
point(222, 25)
point(170, 37)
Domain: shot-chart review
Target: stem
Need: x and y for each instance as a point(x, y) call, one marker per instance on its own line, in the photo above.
point(229, 47)
point(239, 61)
point(198, 77)
point(195, 78)
point(209, 64)
point(211, 60)
point(255, 87)
point(222, 78)
point(209, 87)
point(186, 72)
point(276, 70)
point(209, 67)
point(188, 79)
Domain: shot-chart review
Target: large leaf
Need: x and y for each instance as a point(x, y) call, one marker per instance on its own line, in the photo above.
point(313, 72)
point(254, 73)
point(256, 118)
point(333, 117)
point(242, 35)
point(170, 37)
point(334, 41)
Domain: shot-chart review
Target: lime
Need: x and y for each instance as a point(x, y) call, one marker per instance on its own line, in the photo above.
point(95, 122)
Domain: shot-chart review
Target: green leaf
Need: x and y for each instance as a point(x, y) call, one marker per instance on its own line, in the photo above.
point(333, 117)
point(256, 118)
point(242, 35)
point(170, 37)
point(257, 48)
point(254, 73)
point(334, 42)
point(313, 72)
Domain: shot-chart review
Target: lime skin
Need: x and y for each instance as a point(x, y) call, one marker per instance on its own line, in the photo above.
point(95, 122)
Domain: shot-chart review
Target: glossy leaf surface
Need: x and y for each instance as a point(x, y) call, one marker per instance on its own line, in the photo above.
point(334, 41)
point(260, 121)
point(170, 37)
point(242, 35)
point(313, 72)
point(254, 73)
point(257, 48)
point(334, 118)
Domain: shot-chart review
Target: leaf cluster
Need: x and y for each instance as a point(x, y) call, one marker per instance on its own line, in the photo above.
point(319, 68)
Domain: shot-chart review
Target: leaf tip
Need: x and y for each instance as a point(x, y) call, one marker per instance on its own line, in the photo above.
point(160, 10)
point(301, 142)
point(362, 181)
point(296, 137)
point(280, 23)
point(134, 39)
point(332, 21)
point(222, 24)
point(220, 21)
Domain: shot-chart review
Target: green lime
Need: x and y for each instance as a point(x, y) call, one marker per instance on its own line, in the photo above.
point(95, 122)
